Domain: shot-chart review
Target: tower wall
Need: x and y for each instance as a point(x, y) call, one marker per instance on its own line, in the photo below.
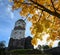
point(18, 34)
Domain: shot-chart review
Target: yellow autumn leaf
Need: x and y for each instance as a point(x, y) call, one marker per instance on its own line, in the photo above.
point(21, 0)
point(34, 41)
point(10, 0)
point(50, 45)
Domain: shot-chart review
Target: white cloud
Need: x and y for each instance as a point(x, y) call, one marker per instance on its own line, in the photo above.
point(9, 11)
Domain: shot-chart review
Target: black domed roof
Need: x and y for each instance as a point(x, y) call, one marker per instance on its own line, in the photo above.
point(21, 20)
point(29, 37)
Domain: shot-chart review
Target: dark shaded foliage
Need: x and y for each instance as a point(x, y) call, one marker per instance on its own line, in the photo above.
point(58, 44)
point(2, 48)
point(53, 51)
point(2, 44)
point(25, 51)
point(45, 47)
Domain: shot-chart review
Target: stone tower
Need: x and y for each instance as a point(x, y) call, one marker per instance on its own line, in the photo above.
point(17, 38)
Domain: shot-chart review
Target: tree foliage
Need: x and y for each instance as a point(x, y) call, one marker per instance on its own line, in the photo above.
point(44, 15)
point(2, 48)
point(58, 44)
point(2, 44)
point(45, 47)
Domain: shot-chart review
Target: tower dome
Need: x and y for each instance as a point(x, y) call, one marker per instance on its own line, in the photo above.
point(20, 22)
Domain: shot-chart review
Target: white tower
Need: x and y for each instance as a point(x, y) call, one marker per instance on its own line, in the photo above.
point(17, 39)
point(19, 30)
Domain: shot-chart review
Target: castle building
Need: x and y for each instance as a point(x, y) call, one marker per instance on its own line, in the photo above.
point(28, 44)
point(17, 39)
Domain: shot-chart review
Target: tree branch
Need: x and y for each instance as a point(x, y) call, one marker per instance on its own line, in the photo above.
point(47, 10)
point(34, 6)
point(53, 5)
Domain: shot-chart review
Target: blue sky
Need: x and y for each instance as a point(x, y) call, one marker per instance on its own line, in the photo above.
point(8, 19)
